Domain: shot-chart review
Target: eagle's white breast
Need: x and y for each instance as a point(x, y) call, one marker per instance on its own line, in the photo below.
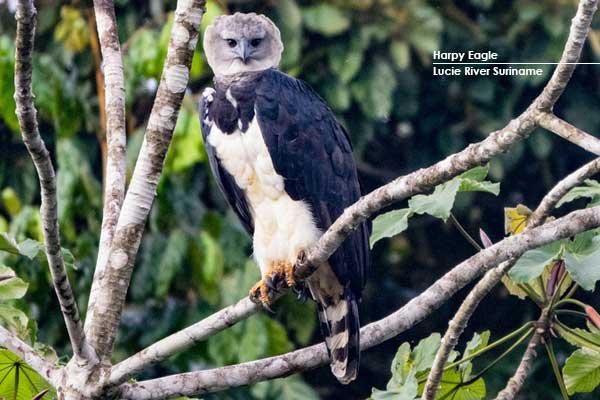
point(282, 226)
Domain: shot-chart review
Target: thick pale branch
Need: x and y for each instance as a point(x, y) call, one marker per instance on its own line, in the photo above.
point(114, 96)
point(567, 131)
point(460, 320)
point(199, 382)
point(27, 116)
point(29, 356)
point(110, 286)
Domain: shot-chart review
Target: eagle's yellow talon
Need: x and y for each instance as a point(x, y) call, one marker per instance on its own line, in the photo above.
point(288, 272)
point(264, 291)
point(259, 293)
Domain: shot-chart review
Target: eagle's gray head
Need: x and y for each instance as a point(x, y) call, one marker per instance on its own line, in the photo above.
point(240, 43)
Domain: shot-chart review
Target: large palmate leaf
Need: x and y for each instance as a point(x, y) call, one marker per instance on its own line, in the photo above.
point(532, 263)
point(18, 381)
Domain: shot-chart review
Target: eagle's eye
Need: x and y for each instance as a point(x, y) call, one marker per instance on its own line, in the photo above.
point(231, 42)
point(255, 42)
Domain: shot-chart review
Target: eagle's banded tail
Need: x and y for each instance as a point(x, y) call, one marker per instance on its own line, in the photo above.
point(341, 328)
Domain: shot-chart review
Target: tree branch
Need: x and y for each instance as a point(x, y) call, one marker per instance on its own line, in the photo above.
point(200, 382)
point(27, 116)
point(459, 322)
point(114, 90)
point(515, 383)
point(22, 350)
point(580, 27)
point(567, 131)
point(182, 340)
point(110, 285)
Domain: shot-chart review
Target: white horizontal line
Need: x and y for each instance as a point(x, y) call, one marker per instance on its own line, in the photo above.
point(514, 63)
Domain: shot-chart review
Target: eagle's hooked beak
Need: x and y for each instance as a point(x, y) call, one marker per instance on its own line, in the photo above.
point(244, 50)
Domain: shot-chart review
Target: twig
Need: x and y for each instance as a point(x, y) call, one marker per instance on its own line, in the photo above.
point(580, 27)
point(114, 96)
point(199, 382)
point(110, 286)
point(27, 116)
point(464, 232)
point(567, 131)
point(515, 383)
point(556, 370)
point(22, 350)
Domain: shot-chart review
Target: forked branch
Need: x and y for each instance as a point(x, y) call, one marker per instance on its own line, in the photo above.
point(109, 288)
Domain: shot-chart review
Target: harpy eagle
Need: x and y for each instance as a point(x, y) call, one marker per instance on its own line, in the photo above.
point(285, 166)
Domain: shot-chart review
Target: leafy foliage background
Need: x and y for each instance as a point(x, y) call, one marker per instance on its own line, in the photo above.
point(371, 61)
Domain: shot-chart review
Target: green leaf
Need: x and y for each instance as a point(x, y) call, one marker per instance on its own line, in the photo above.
point(289, 20)
point(346, 59)
point(583, 268)
point(171, 261)
point(439, 203)
point(14, 319)
point(11, 201)
point(408, 391)
point(423, 355)
point(18, 381)
point(290, 388)
point(473, 180)
point(389, 224)
point(325, 19)
point(582, 371)
point(187, 147)
point(452, 387)
point(470, 185)
point(337, 95)
point(532, 263)
point(580, 337)
point(28, 248)
point(400, 52)
point(7, 86)
point(11, 287)
point(374, 89)
point(477, 342)
point(400, 367)
point(278, 341)
point(254, 341)
point(591, 190)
